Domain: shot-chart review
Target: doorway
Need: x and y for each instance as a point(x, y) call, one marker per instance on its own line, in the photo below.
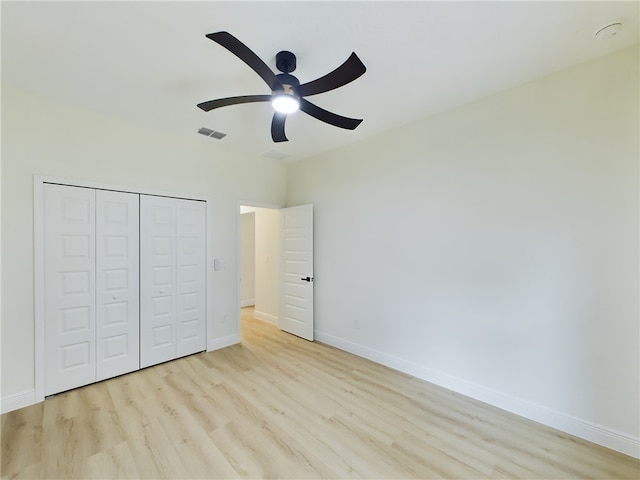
point(259, 252)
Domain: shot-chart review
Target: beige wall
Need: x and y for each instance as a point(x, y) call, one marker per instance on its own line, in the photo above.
point(45, 137)
point(494, 249)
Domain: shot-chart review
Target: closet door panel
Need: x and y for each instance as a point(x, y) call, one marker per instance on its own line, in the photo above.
point(157, 279)
point(191, 285)
point(69, 270)
point(117, 283)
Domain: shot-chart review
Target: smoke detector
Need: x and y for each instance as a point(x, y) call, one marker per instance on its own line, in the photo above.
point(608, 31)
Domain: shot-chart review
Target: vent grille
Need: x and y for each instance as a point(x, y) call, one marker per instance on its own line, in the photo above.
point(211, 133)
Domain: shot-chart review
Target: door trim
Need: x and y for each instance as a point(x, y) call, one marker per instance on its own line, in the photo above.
point(38, 257)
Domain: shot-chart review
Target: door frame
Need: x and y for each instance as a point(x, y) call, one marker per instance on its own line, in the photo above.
point(38, 257)
point(245, 203)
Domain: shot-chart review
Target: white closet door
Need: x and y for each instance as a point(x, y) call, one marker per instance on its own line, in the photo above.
point(157, 279)
point(191, 306)
point(117, 283)
point(69, 236)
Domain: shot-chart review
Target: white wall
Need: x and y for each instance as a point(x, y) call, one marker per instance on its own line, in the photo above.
point(494, 249)
point(266, 258)
point(45, 137)
point(267, 264)
point(247, 259)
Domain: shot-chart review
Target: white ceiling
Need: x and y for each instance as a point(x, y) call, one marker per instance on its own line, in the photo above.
point(150, 63)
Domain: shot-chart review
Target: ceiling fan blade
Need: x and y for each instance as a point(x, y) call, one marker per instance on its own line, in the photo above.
point(245, 54)
point(223, 102)
point(328, 117)
point(351, 69)
point(277, 127)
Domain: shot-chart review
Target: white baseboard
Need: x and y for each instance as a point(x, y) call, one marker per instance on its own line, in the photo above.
point(249, 302)
point(265, 317)
point(18, 400)
point(607, 437)
point(222, 342)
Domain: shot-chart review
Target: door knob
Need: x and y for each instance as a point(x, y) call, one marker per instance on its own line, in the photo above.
point(307, 279)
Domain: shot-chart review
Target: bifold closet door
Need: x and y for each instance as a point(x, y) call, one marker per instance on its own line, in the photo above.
point(191, 269)
point(70, 301)
point(172, 278)
point(91, 285)
point(117, 283)
point(157, 279)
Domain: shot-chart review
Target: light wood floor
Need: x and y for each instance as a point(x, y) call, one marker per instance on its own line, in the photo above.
point(278, 406)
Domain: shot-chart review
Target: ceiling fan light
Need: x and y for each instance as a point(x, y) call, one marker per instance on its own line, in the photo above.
point(285, 103)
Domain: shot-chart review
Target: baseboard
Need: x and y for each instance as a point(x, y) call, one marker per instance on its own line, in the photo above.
point(607, 437)
point(18, 400)
point(222, 342)
point(249, 302)
point(265, 317)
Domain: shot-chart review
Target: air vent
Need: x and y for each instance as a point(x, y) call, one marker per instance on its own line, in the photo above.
point(211, 133)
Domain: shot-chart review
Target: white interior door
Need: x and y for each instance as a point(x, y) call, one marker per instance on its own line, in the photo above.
point(69, 272)
point(191, 284)
point(157, 279)
point(117, 283)
point(296, 304)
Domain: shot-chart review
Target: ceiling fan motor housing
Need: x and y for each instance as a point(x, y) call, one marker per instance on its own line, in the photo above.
point(285, 61)
point(290, 83)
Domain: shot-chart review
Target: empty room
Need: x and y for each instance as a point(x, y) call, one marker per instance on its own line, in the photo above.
point(320, 239)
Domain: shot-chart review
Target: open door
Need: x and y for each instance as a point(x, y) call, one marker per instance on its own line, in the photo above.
point(296, 292)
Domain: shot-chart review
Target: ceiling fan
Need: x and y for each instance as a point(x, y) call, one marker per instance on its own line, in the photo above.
point(287, 95)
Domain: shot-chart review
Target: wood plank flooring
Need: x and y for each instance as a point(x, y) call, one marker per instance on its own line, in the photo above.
point(277, 406)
